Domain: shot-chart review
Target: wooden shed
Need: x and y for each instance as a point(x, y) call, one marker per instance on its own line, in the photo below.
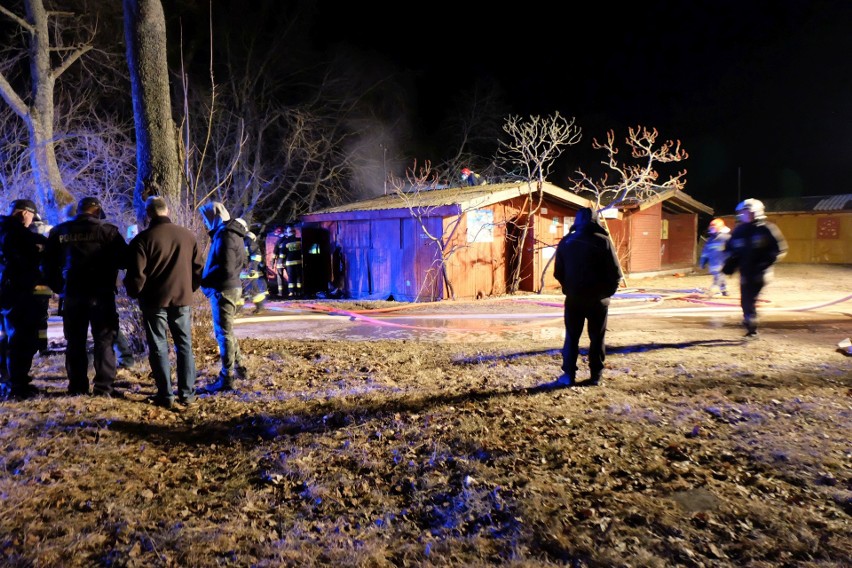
point(658, 234)
point(390, 243)
point(818, 229)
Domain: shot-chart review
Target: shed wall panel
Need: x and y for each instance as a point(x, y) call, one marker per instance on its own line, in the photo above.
point(645, 239)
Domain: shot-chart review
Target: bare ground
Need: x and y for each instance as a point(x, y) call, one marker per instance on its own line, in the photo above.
point(455, 449)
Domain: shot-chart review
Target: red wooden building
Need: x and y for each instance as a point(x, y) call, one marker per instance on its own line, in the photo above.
point(392, 244)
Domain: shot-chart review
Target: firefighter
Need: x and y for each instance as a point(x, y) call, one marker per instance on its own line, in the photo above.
point(754, 247)
point(253, 278)
point(20, 309)
point(470, 177)
point(42, 290)
point(713, 255)
point(288, 254)
point(278, 269)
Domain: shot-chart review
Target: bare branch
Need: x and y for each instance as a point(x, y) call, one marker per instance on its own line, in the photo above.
point(17, 19)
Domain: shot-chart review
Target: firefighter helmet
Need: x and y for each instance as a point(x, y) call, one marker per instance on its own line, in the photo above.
point(466, 171)
point(753, 206)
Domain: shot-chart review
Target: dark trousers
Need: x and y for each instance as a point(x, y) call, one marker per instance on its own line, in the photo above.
point(78, 314)
point(294, 280)
point(750, 288)
point(578, 311)
point(19, 323)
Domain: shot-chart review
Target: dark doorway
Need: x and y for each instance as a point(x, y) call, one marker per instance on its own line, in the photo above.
point(316, 254)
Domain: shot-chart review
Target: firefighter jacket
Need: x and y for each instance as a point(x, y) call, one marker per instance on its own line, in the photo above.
point(753, 248)
point(288, 251)
point(20, 260)
point(83, 257)
point(713, 255)
point(227, 257)
point(164, 265)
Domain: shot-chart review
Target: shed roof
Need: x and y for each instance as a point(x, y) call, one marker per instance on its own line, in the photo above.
point(448, 201)
point(808, 204)
point(673, 200)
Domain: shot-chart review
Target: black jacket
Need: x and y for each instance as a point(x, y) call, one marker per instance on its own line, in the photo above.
point(164, 265)
point(20, 260)
point(586, 264)
point(753, 248)
point(227, 257)
point(83, 257)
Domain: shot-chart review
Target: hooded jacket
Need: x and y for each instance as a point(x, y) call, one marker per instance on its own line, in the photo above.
point(227, 256)
point(586, 264)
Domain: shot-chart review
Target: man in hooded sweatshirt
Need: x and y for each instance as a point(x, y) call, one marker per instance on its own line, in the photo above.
point(220, 282)
point(587, 267)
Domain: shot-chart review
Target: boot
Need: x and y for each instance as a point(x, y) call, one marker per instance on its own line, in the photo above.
point(223, 383)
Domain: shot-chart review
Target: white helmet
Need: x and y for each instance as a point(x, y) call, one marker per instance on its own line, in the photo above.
point(753, 206)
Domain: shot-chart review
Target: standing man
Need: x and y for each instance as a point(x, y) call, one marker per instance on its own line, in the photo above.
point(20, 308)
point(82, 260)
point(713, 255)
point(163, 271)
point(754, 247)
point(288, 253)
point(587, 267)
point(220, 282)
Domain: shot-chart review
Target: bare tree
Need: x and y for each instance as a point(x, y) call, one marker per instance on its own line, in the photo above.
point(36, 108)
point(158, 171)
point(637, 179)
point(413, 191)
point(532, 147)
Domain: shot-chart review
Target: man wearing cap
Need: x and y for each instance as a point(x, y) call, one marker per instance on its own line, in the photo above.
point(20, 273)
point(82, 261)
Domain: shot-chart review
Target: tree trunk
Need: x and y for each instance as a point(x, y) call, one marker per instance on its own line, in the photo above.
point(156, 136)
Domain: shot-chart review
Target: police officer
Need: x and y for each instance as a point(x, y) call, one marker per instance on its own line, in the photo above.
point(82, 261)
point(20, 256)
point(288, 253)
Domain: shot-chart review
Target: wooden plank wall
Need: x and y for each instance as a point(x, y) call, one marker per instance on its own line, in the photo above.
point(679, 249)
point(645, 243)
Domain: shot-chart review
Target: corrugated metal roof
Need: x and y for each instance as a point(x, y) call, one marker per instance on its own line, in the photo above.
point(808, 203)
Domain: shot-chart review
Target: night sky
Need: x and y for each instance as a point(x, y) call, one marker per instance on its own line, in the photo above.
point(759, 92)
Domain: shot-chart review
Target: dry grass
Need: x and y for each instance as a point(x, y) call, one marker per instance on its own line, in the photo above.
point(410, 453)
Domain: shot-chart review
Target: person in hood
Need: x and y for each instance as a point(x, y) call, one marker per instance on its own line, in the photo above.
point(220, 282)
point(82, 260)
point(587, 267)
point(713, 255)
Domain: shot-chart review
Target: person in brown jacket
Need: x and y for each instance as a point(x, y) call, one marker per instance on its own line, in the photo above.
point(163, 271)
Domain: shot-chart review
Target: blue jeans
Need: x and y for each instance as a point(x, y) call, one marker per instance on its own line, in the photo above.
point(224, 306)
point(178, 321)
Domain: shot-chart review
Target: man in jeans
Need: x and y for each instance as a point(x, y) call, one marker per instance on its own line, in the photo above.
point(163, 271)
point(220, 282)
